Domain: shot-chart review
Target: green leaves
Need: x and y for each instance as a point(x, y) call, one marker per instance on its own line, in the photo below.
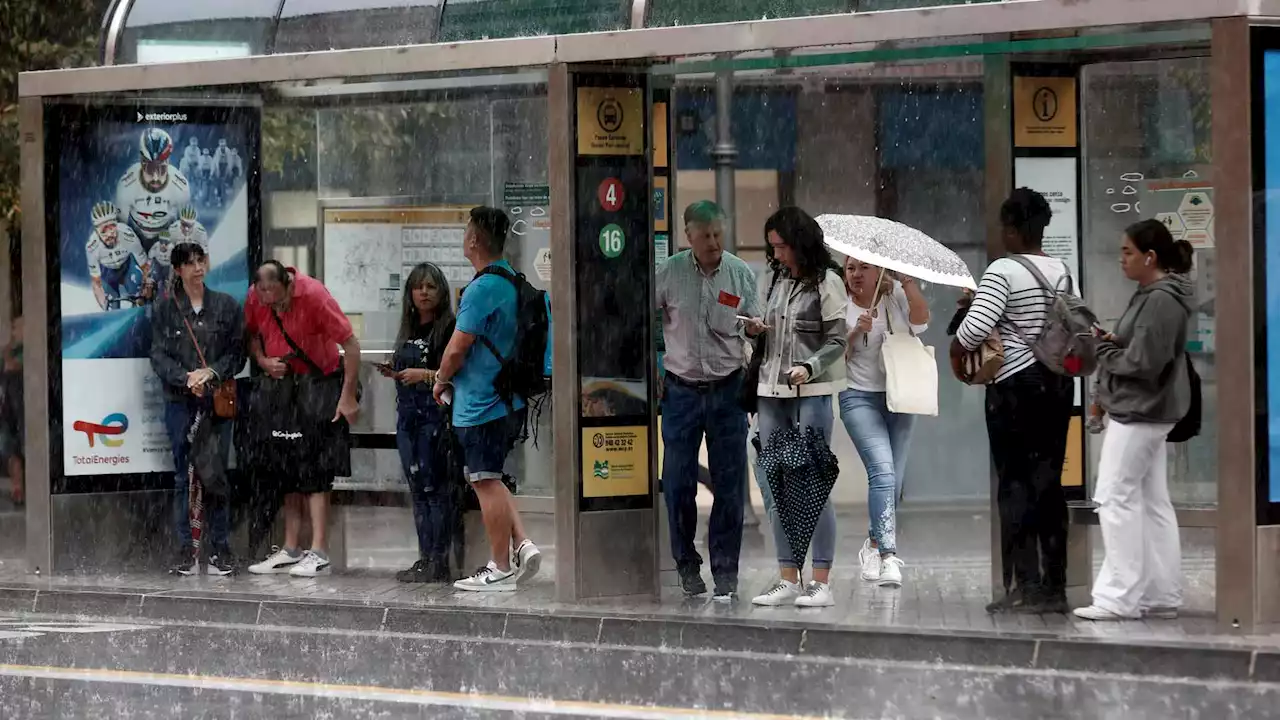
point(37, 35)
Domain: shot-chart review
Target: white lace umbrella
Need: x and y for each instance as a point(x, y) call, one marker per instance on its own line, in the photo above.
point(894, 246)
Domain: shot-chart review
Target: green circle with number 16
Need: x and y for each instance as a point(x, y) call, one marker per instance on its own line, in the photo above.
point(612, 241)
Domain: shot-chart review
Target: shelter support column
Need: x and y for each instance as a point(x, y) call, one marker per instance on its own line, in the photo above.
point(1245, 583)
point(997, 103)
point(602, 294)
point(36, 361)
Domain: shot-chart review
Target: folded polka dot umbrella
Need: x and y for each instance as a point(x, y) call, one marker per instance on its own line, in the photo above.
point(801, 471)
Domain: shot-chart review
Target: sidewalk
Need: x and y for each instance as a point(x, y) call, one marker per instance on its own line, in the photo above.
point(947, 586)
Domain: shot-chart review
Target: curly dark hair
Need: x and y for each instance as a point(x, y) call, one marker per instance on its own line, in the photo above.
point(804, 236)
point(1028, 213)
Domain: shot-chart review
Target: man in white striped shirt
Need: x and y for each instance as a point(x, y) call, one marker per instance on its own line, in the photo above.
point(1028, 412)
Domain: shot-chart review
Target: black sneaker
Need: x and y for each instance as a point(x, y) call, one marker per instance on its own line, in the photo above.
point(691, 581)
point(1013, 601)
point(185, 563)
point(726, 590)
point(1045, 603)
point(220, 566)
point(420, 572)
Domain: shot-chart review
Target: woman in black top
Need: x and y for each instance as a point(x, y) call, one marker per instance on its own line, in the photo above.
point(426, 324)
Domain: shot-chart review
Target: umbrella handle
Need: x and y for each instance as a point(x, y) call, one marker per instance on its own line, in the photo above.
point(875, 300)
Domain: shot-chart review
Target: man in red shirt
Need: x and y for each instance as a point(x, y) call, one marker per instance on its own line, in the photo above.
point(295, 327)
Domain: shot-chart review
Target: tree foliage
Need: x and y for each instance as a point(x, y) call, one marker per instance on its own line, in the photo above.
point(37, 35)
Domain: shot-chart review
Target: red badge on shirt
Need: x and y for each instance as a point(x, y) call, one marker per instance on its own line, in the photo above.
point(729, 300)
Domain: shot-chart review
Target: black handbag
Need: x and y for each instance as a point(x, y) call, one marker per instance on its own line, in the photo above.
point(299, 413)
point(748, 394)
point(1189, 426)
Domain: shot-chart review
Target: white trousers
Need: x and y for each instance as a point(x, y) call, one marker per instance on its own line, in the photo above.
point(1143, 556)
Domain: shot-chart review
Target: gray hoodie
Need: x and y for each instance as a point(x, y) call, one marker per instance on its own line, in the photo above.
point(1142, 377)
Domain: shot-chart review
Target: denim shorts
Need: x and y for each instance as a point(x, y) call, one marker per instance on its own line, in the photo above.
point(485, 447)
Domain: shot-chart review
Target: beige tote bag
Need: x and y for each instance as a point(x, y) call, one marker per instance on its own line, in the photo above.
point(911, 373)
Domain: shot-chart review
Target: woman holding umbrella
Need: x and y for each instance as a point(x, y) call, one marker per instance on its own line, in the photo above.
point(879, 304)
point(801, 368)
point(426, 324)
point(886, 262)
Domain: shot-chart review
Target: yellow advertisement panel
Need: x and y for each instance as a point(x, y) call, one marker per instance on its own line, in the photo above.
point(610, 121)
point(1073, 467)
point(615, 461)
point(660, 135)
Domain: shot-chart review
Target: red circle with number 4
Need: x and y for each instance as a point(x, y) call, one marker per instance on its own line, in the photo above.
point(611, 194)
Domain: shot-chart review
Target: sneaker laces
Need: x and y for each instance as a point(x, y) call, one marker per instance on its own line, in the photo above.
point(814, 588)
point(778, 587)
point(483, 571)
point(895, 560)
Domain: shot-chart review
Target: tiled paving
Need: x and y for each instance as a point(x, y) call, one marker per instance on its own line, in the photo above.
point(948, 581)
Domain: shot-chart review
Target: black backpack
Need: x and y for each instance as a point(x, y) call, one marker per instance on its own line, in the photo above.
point(1189, 426)
point(523, 373)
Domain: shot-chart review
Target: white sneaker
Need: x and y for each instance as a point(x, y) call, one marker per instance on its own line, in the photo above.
point(816, 594)
point(782, 593)
point(280, 561)
point(891, 571)
point(870, 559)
point(489, 579)
point(528, 559)
point(311, 565)
point(1097, 614)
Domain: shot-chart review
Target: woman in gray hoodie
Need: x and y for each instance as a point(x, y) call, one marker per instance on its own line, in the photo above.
point(1144, 389)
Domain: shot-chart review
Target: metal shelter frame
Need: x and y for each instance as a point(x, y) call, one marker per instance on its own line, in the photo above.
point(1247, 576)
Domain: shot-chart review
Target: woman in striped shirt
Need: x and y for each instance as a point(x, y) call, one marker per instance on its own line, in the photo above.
point(1028, 411)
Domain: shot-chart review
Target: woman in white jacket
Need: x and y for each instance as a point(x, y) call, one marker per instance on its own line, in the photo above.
point(801, 369)
point(878, 305)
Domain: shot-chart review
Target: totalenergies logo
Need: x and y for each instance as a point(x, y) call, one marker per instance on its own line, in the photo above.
point(109, 430)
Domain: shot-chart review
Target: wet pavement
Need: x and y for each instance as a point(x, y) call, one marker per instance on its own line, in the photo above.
point(50, 667)
point(947, 585)
point(360, 645)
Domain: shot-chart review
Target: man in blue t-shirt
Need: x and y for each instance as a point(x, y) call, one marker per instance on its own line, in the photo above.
point(486, 424)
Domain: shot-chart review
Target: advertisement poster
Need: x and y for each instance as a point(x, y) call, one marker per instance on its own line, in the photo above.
point(1271, 83)
point(133, 182)
point(1056, 179)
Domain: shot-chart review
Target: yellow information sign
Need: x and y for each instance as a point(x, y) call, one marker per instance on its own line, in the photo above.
point(1044, 112)
point(660, 135)
point(615, 461)
point(610, 121)
point(1073, 467)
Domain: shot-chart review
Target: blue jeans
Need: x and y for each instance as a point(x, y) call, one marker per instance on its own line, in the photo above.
point(178, 415)
point(418, 435)
point(815, 412)
point(689, 411)
point(882, 439)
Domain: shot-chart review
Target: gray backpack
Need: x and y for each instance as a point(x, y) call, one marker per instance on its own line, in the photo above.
point(1068, 344)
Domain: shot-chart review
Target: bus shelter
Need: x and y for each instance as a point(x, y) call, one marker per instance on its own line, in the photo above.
point(591, 128)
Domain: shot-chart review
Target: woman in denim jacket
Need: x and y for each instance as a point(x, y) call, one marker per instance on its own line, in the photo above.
point(802, 368)
point(426, 323)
